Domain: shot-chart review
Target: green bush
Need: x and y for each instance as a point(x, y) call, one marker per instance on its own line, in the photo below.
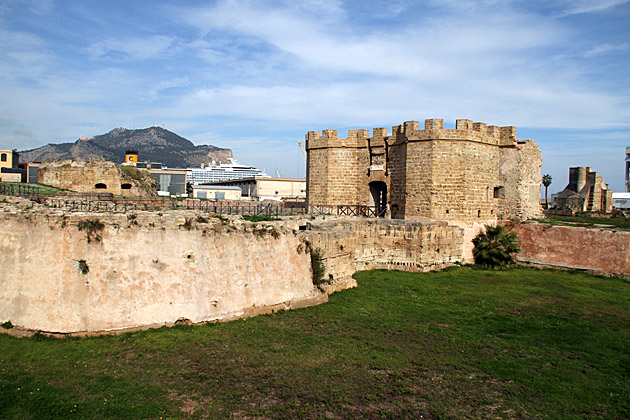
point(259, 218)
point(495, 248)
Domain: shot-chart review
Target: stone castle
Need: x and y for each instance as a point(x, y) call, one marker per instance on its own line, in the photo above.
point(474, 173)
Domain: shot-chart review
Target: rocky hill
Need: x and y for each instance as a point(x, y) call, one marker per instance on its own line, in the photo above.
point(154, 144)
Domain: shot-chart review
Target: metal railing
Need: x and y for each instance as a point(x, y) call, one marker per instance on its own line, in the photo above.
point(33, 192)
point(40, 195)
point(348, 210)
point(269, 209)
point(92, 205)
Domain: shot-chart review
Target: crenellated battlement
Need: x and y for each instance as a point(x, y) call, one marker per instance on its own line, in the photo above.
point(466, 130)
point(472, 173)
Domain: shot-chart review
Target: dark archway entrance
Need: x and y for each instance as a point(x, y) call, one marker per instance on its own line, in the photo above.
point(378, 197)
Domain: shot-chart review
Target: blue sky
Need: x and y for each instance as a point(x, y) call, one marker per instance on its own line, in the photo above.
point(255, 76)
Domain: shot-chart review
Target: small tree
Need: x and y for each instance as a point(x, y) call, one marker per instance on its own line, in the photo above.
point(546, 180)
point(495, 248)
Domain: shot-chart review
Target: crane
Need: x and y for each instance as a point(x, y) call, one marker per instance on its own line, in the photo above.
point(303, 151)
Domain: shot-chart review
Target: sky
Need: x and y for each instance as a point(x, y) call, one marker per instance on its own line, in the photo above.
point(256, 76)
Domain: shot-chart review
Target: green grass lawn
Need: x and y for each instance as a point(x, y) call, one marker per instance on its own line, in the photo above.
point(585, 221)
point(460, 343)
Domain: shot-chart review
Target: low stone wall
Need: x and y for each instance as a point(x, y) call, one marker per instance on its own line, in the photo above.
point(348, 246)
point(598, 250)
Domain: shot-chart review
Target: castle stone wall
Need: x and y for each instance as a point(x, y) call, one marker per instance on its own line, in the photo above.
point(474, 173)
point(520, 178)
point(149, 270)
point(348, 246)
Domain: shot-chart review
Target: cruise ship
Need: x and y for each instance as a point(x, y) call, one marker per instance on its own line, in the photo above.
point(223, 172)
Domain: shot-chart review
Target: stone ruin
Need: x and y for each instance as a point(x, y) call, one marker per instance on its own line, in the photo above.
point(97, 176)
point(586, 192)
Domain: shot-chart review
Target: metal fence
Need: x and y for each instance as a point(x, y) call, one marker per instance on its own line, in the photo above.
point(348, 210)
point(40, 195)
point(269, 209)
point(33, 192)
point(93, 205)
point(242, 208)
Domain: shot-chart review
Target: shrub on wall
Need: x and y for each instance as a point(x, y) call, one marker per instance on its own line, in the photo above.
point(317, 264)
point(318, 267)
point(92, 228)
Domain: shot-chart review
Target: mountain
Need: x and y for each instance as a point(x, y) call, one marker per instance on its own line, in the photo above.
point(154, 144)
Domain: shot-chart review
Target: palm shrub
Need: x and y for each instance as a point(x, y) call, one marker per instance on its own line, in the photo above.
point(495, 248)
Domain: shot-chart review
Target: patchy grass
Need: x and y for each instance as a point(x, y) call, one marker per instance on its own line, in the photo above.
point(617, 223)
point(259, 218)
point(35, 188)
point(457, 344)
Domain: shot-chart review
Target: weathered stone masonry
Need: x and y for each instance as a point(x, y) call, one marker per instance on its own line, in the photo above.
point(92, 176)
point(351, 245)
point(474, 173)
point(153, 268)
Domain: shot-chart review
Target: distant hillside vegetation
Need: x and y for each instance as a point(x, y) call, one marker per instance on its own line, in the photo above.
point(153, 144)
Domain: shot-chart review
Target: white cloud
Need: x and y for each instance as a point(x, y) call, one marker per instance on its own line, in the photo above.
point(23, 55)
point(487, 66)
point(574, 7)
point(130, 48)
point(331, 8)
point(435, 49)
point(249, 72)
point(177, 82)
point(606, 48)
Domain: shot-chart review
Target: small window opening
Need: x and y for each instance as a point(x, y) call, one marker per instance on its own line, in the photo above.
point(478, 213)
point(125, 186)
point(499, 192)
point(100, 186)
point(3, 157)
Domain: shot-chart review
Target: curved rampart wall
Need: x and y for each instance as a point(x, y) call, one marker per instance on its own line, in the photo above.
point(151, 269)
point(141, 276)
